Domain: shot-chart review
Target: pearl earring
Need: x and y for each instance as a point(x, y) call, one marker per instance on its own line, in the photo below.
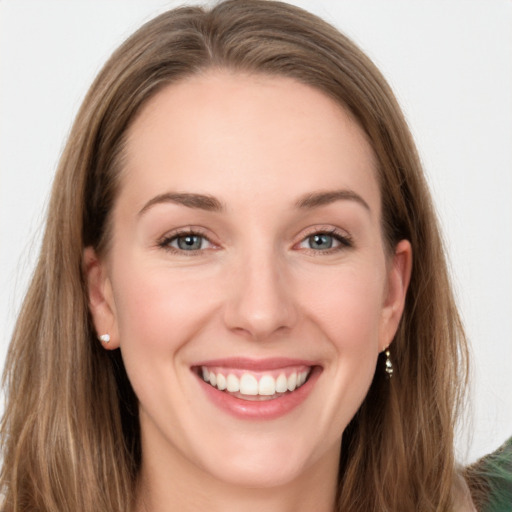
point(105, 338)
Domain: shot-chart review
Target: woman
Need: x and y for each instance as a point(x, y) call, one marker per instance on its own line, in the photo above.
point(242, 299)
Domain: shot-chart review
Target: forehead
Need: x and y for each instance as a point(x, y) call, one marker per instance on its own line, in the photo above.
point(230, 133)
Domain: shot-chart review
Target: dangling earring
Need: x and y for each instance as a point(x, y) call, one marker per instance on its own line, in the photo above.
point(389, 364)
point(105, 338)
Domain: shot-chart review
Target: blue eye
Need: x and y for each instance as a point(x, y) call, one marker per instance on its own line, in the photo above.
point(188, 242)
point(321, 241)
point(185, 242)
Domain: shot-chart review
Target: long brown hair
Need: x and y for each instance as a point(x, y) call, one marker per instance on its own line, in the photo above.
point(70, 432)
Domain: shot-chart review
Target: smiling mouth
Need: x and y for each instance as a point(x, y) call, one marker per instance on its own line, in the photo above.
point(256, 386)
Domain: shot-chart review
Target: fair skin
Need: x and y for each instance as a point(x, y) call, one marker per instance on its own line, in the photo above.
point(246, 240)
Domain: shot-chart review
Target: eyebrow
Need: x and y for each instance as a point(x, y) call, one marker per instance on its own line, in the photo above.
point(322, 198)
point(212, 204)
point(200, 201)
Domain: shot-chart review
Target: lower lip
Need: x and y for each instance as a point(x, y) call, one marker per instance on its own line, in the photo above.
point(264, 409)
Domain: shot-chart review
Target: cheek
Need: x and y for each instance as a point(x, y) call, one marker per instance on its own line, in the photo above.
point(348, 306)
point(158, 309)
point(344, 310)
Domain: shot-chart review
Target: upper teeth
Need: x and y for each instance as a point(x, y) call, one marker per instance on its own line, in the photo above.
point(248, 383)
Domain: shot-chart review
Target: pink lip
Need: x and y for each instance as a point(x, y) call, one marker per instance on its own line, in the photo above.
point(258, 410)
point(256, 365)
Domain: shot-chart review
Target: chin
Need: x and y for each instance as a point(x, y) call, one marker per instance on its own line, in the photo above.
point(263, 461)
point(257, 473)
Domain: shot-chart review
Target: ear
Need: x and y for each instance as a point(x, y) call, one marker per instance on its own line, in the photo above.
point(101, 298)
point(399, 275)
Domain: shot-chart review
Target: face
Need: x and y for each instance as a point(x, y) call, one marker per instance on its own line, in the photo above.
point(247, 251)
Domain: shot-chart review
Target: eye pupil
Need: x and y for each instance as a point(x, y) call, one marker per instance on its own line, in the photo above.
point(320, 241)
point(190, 242)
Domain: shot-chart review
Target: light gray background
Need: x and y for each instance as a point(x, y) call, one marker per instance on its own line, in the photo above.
point(450, 64)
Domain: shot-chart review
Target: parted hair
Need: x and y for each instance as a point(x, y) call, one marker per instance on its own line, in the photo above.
point(70, 432)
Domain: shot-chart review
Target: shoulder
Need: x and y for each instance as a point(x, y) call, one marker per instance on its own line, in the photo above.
point(490, 480)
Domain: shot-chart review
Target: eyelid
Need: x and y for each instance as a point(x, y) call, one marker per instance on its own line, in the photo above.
point(164, 241)
point(343, 237)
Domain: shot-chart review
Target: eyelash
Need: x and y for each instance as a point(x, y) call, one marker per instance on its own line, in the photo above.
point(344, 240)
point(165, 242)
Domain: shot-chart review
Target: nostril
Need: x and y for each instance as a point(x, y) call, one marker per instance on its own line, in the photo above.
point(259, 323)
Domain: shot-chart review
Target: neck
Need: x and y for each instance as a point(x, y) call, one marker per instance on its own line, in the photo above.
point(174, 486)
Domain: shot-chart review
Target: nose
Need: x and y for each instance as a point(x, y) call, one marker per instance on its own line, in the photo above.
point(260, 298)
